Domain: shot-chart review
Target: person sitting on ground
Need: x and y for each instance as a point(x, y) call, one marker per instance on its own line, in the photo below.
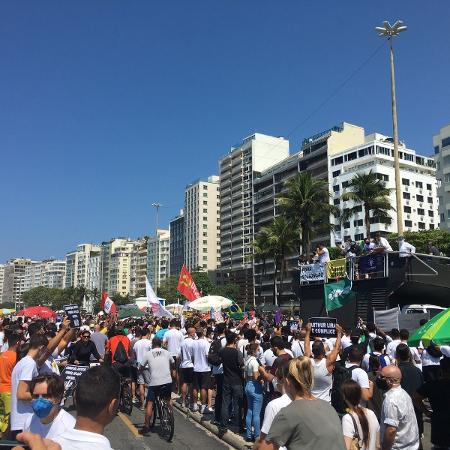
point(48, 420)
point(96, 401)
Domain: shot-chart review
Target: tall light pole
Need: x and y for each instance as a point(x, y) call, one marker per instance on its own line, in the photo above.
point(156, 205)
point(390, 31)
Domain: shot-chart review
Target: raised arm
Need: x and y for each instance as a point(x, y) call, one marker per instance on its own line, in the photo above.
point(308, 340)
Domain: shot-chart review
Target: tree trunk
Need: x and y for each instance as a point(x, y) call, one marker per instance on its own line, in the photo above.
point(275, 297)
point(367, 219)
point(263, 271)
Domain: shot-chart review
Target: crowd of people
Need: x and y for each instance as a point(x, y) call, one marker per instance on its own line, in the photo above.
point(275, 383)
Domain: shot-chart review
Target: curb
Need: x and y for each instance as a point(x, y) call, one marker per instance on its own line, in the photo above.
point(229, 437)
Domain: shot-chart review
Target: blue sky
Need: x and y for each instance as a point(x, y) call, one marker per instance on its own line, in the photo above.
point(109, 106)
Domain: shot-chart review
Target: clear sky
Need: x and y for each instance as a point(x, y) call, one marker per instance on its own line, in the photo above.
point(107, 106)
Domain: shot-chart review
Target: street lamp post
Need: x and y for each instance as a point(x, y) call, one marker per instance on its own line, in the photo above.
point(390, 31)
point(155, 284)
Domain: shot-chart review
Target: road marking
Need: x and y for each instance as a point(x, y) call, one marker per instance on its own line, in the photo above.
point(130, 425)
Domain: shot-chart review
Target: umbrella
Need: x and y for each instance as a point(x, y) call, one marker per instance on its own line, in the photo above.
point(437, 330)
point(175, 308)
point(6, 311)
point(42, 311)
point(130, 312)
point(205, 304)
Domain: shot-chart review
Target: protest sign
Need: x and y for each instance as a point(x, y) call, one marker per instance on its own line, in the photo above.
point(71, 374)
point(73, 312)
point(310, 273)
point(323, 327)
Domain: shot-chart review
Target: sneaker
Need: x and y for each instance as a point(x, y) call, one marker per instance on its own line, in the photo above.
point(208, 410)
point(194, 407)
point(141, 408)
point(136, 401)
point(144, 431)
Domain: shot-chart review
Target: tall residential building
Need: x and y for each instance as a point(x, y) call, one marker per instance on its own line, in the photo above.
point(238, 170)
point(14, 279)
point(201, 224)
point(313, 156)
point(441, 143)
point(418, 184)
point(158, 257)
point(94, 271)
point(138, 267)
point(177, 258)
point(2, 276)
point(78, 266)
point(49, 273)
point(116, 266)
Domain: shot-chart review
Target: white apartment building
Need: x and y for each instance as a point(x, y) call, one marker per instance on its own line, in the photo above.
point(201, 224)
point(158, 257)
point(441, 144)
point(78, 265)
point(14, 280)
point(49, 273)
point(138, 267)
point(94, 271)
point(2, 276)
point(376, 154)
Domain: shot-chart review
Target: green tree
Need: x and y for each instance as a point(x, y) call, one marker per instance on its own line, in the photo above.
point(168, 289)
point(371, 193)
point(120, 299)
point(420, 240)
point(204, 284)
point(306, 204)
point(261, 252)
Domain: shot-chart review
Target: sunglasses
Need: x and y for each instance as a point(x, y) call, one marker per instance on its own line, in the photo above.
point(86, 337)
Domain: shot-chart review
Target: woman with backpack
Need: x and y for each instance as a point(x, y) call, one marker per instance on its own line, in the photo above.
point(360, 426)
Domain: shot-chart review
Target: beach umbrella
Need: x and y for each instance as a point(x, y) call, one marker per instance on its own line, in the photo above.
point(130, 312)
point(437, 330)
point(40, 311)
point(175, 308)
point(205, 304)
point(5, 311)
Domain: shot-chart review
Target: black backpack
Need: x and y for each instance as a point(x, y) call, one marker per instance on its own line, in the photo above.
point(120, 354)
point(340, 374)
point(214, 357)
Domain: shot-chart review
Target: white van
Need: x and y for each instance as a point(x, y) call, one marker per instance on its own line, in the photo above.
point(433, 310)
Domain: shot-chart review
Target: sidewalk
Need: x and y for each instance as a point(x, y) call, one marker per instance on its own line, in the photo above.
point(231, 438)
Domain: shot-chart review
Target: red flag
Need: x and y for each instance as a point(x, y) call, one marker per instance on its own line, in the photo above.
point(186, 285)
point(107, 304)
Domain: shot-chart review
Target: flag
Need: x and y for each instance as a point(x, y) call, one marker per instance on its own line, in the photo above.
point(338, 294)
point(278, 317)
point(186, 285)
point(371, 263)
point(212, 314)
point(107, 304)
point(153, 302)
point(337, 268)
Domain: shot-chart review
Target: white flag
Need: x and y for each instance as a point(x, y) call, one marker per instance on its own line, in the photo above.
point(153, 302)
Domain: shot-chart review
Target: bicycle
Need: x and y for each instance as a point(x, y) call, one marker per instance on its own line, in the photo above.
point(126, 397)
point(163, 409)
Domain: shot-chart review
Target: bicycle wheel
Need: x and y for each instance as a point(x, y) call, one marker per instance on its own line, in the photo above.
point(156, 409)
point(126, 399)
point(166, 420)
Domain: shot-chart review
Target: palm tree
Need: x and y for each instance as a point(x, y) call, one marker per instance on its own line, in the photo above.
point(282, 240)
point(307, 204)
point(370, 192)
point(261, 252)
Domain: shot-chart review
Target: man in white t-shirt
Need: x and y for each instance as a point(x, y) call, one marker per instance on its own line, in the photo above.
point(96, 408)
point(187, 365)
point(141, 347)
point(202, 370)
point(359, 375)
point(172, 342)
point(48, 420)
point(382, 244)
point(323, 255)
point(392, 345)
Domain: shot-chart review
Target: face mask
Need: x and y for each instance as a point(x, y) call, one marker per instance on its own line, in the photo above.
point(382, 384)
point(41, 407)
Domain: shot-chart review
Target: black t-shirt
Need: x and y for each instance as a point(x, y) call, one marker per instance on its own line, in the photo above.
point(232, 362)
point(438, 393)
point(82, 352)
point(412, 377)
point(279, 361)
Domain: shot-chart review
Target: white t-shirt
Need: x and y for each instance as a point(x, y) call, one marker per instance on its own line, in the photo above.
point(392, 347)
point(201, 349)
point(272, 409)
point(187, 350)
point(298, 348)
point(82, 440)
point(322, 380)
point(173, 339)
point(251, 366)
point(348, 428)
point(25, 370)
point(385, 244)
point(359, 375)
point(365, 361)
point(141, 348)
point(158, 361)
point(445, 350)
point(61, 423)
point(428, 360)
point(324, 257)
point(268, 358)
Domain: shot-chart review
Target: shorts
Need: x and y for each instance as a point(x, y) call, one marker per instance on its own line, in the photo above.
point(124, 370)
point(163, 390)
point(143, 377)
point(201, 379)
point(134, 373)
point(5, 410)
point(187, 375)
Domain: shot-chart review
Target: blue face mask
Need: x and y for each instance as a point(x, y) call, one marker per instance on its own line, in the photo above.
point(41, 407)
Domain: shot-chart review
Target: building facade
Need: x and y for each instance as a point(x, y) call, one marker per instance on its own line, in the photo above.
point(49, 273)
point(79, 266)
point(177, 258)
point(418, 184)
point(138, 267)
point(201, 224)
point(2, 277)
point(158, 257)
point(441, 144)
point(14, 280)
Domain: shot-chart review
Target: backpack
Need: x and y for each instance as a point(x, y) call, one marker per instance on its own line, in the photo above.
point(120, 354)
point(382, 360)
point(214, 357)
point(340, 374)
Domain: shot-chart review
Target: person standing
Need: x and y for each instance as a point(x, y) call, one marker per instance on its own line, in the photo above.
point(141, 347)
point(172, 342)
point(100, 340)
point(323, 255)
point(202, 371)
point(399, 428)
point(187, 367)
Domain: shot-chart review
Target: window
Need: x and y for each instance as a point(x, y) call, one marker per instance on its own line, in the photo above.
point(337, 201)
point(346, 224)
point(436, 150)
point(205, 210)
point(430, 213)
point(205, 194)
point(408, 223)
point(421, 225)
point(336, 188)
point(429, 187)
point(359, 237)
point(431, 226)
point(205, 202)
point(205, 250)
point(419, 198)
point(406, 195)
point(205, 242)
point(205, 186)
point(430, 200)
point(407, 209)
point(382, 177)
point(336, 173)
point(352, 156)
point(445, 142)
point(345, 184)
point(420, 211)
point(358, 223)
point(419, 184)
point(405, 182)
